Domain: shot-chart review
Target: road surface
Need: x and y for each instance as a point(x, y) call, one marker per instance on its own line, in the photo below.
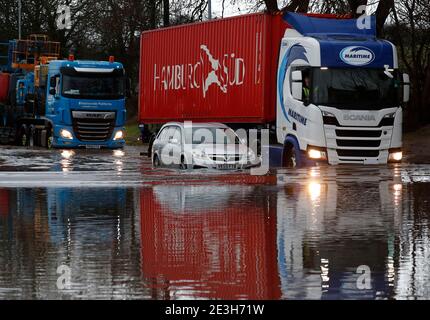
point(106, 225)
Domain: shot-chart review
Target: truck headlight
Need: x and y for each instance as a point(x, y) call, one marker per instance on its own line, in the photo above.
point(119, 135)
point(66, 134)
point(317, 154)
point(395, 156)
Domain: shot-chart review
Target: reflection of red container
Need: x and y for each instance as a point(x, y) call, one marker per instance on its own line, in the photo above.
point(4, 87)
point(196, 250)
point(221, 70)
point(4, 202)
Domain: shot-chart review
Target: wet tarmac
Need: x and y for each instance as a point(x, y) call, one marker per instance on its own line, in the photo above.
point(126, 231)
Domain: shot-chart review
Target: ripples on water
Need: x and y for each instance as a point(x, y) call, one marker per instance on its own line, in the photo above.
point(169, 235)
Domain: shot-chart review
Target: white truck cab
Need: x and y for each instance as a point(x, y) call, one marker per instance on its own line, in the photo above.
point(339, 94)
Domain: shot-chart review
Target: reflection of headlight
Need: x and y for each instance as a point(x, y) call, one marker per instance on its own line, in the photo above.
point(67, 154)
point(66, 134)
point(119, 135)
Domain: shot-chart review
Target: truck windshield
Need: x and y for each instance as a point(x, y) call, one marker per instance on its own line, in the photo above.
point(93, 87)
point(357, 89)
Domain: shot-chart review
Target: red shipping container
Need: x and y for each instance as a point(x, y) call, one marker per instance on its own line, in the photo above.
point(221, 70)
point(4, 87)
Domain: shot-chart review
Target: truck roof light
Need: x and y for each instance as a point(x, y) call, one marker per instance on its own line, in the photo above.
point(111, 59)
point(71, 57)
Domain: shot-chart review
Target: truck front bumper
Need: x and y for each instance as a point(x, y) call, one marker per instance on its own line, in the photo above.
point(74, 142)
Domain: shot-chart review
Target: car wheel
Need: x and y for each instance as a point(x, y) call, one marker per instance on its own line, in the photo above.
point(184, 165)
point(156, 161)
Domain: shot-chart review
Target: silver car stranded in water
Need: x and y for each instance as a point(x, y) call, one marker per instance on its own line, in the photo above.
point(201, 145)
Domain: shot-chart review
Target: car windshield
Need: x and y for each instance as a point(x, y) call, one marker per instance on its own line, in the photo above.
point(204, 135)
point(358, 89)
point(93, 87)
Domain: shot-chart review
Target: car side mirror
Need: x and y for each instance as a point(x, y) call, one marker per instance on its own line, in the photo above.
point(406, 88)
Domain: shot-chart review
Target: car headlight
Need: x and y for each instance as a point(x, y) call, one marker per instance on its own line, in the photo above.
point(66, 134)
point(199, 153)
point(119, 135)
point(251, 155)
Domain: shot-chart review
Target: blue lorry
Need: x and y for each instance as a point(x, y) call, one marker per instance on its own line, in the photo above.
point(60, 103)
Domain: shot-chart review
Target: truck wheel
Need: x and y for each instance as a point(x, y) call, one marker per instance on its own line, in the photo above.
point(22, 140)
point(31, 137)
point(49, 139)
point(291, 157)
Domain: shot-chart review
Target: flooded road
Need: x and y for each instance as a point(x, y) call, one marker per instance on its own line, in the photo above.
point(105, 225)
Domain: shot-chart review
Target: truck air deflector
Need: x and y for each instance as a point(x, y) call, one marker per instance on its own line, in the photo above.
point(310, 26)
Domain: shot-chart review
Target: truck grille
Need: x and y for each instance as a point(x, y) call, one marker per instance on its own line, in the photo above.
point(93, 126)
point(358, 144)
point(358, 153)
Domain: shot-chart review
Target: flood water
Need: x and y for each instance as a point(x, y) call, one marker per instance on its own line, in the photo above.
point(126, 231)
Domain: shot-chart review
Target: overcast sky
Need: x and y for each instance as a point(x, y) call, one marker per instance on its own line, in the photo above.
point(230, 10)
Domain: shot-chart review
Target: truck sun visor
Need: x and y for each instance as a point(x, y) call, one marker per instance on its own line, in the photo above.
point(310, 26)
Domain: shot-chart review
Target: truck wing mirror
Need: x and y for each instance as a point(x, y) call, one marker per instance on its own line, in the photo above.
point(53, 82)
point(297, 90)
point(52, 92)
point(297, 76)
point(406, 88)
point(297, 85)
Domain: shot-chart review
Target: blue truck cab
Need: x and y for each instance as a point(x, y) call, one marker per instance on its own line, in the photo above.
point(49, 102)
point(85, 103)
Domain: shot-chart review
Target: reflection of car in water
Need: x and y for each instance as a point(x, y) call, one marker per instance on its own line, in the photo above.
point(202, 145)
point(327, 230)
point(203, 242)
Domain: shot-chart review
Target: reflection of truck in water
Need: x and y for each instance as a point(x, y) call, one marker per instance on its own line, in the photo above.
point(48, 102)
point(327, 90)
point(197, 242)
point(324, 237)
point(45, 228)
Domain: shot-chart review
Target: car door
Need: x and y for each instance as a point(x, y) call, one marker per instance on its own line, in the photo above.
point(160, 142)
point(176, 145)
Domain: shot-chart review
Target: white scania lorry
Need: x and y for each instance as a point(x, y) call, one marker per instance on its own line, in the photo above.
point(352, 112)
point(327, 89)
